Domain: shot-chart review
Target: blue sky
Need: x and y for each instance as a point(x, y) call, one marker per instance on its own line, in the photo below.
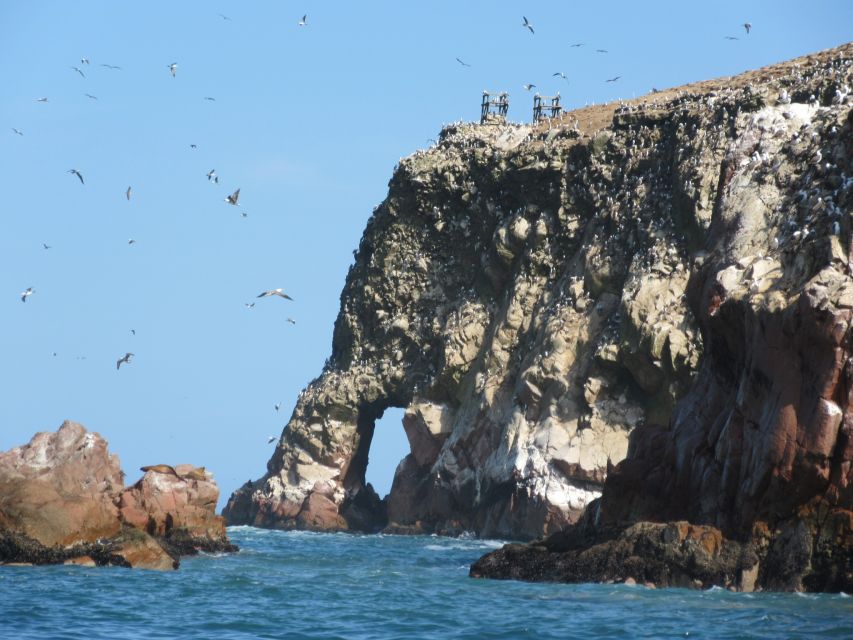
point(308, 122)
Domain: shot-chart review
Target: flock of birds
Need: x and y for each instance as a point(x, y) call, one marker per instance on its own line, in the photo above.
point(232, 199)
point(560, 74)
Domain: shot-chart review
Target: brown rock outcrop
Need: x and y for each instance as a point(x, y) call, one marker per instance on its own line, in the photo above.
point(539, 299)
point(62, 499)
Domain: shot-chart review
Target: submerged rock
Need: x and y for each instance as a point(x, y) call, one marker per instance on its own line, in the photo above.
point(649, 299)
point(62, 499)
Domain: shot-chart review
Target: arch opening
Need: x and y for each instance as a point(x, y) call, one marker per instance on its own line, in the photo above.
point(388, 447)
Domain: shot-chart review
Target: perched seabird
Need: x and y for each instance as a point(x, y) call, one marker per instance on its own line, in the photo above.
point(275, 292)
point(26, 294)
point(18, 131)
point(527, 24)
point(78, 174)
point(173, 68)
point(747, 26)
point(232, 199)
point(464, 64)
point(89, 95)
point(124, 359)
point(528, 87)
point(77, 69)
point(303, 22)
point(128, 192)
point(613, 79)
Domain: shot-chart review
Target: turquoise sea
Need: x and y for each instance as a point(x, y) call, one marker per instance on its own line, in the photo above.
point(312, 585)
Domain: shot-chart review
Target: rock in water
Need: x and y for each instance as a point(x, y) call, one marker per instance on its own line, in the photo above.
point(539, 300)
point(62, 499)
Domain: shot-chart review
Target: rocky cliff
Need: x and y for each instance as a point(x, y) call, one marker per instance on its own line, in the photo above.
point(666, 279)
point(63, 500)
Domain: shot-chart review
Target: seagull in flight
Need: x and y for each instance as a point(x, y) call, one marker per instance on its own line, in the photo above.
point(128, 192)
point(731, 38)
point(232, 199)
point(577, 44)
point(173, 68)
point(131, 241)
point(78, 174)
point(528, 87)
point(124, 359)
point(275, 292)
point(46, 246)
point(464, 64)
point(613, 79)
point(249, 305)
point(18, 131)
point(89, 95)
point(747, 26)
point(561, 74)
point(210, 99)
point(26, 294)
point(77, 69)
point(210, 174)
point(291, 321)
point(41, 99)
point(271, 439)
point(84, 60)
point(602, 51)
point(277, 406)
point(193, 146)
point(224, 17)
point(303, 22)
point(527, 25)
point(111, 66)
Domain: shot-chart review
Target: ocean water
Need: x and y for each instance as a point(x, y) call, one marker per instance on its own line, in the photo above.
point(311, 585)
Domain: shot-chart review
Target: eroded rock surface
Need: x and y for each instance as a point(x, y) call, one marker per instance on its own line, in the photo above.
point(539, 300)
point(62, 499)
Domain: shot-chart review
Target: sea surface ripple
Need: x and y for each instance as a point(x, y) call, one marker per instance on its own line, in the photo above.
point(314, 585)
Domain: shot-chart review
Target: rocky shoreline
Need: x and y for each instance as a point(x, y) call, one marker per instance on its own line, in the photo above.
point(63, 501)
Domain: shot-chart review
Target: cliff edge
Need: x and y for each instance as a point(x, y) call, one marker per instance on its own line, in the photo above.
point(649, 299)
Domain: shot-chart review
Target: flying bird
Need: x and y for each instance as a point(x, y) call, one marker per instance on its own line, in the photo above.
point(210, 174)
point(602, 51)
point(111, 66)
point(275, 292)
point(731, 38)
point(303, 22)
point(528, 87)
point(577, 44)
point(84, 60)
point(613, 79)
point(271, 439)
point(527, 24)
point(173, 68)
point(89, 95)
point(244, 214)
point(464, 64)
point(277, 406)
point(133, 331)
point(78, 174)
point(77, 69)
point(747, 26)
point(209, 98)
point(18, 131)
point(46, 246)
point(124, 359)
point(193, 146)
point(128, 192)
point(249, 305)
point(131, 241)
point(26, 294)
point(232, 199)
point(560, 74)
point(291, 321)
point(224, 17)
point(41, 99)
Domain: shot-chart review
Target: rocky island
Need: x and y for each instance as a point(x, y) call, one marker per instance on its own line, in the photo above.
point(627, 329)
point(63, 500)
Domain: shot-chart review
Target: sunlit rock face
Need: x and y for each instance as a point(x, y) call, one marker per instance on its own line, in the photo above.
point(665, 280)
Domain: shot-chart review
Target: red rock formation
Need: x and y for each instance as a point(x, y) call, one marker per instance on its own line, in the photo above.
point(62, 499)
